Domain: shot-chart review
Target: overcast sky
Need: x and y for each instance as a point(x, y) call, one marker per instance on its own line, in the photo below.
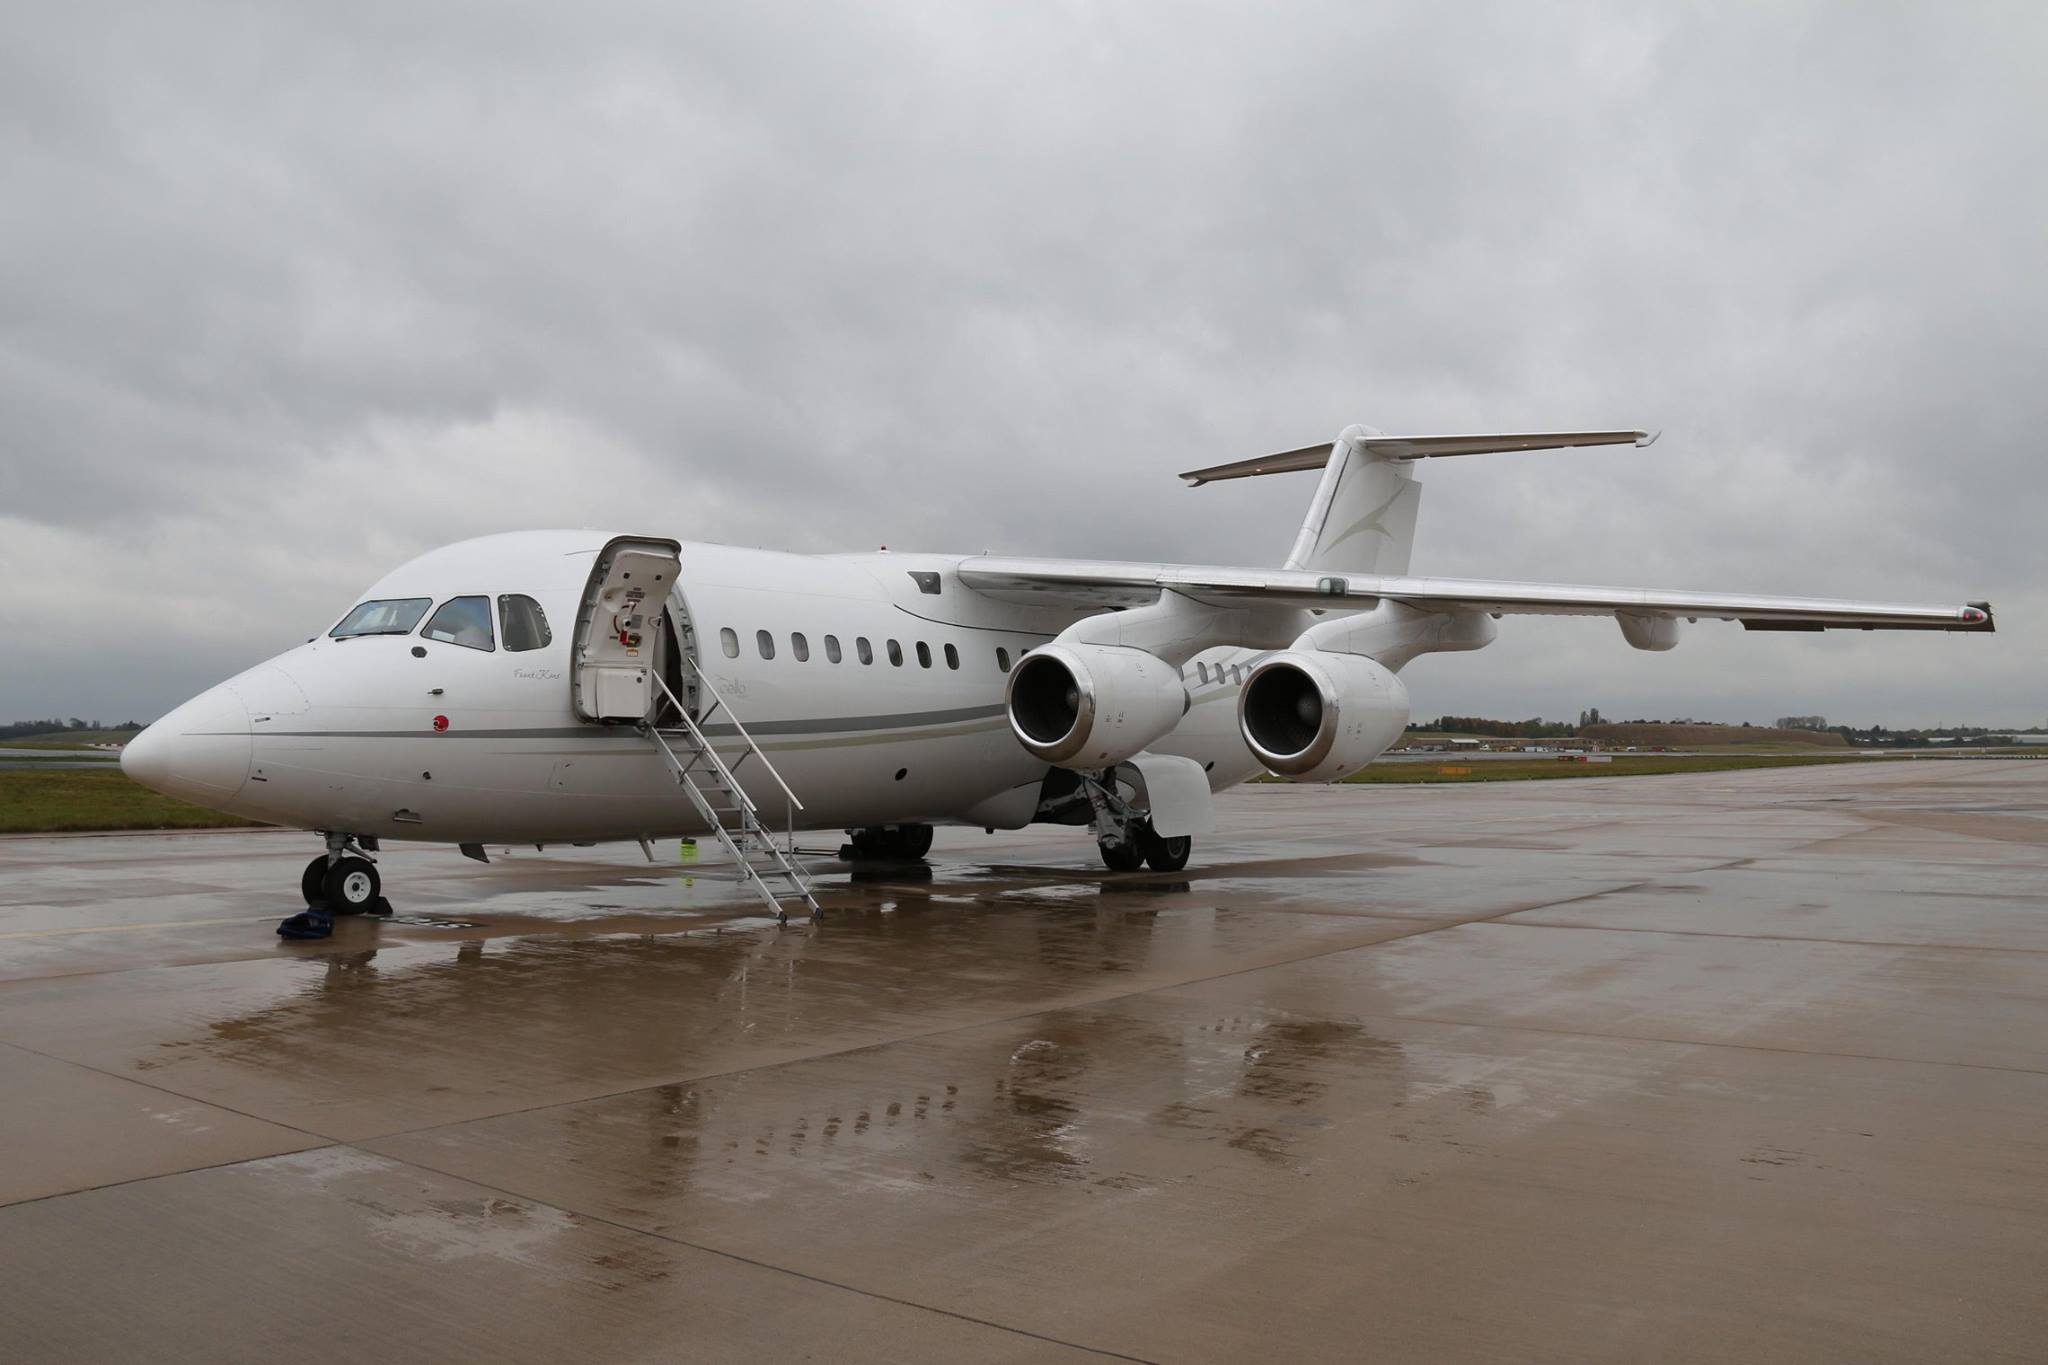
point(289, 293)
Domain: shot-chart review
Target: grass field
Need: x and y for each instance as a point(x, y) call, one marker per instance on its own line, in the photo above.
point(1624, 765)
point(44, 801)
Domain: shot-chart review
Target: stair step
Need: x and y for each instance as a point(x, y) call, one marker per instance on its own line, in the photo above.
point(735, 822)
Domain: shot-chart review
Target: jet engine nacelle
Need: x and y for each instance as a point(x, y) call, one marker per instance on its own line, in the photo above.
point(1093, 706)
point(1317, 717)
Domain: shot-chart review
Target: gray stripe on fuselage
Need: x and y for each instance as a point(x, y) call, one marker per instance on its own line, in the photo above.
point(825, 725)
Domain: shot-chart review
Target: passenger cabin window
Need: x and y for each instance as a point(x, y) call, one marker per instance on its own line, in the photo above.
point(765, 643)
point(924, 655)
point(864, 649)
point(895, 654)
point(1002, 658)
point(832, 648)
point(464, 621)
point(799, 646)
point(525, 624)
point(952, 657)
point(392, 616)
point(729, 641)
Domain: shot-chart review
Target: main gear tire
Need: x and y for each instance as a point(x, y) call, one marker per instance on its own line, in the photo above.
point(1124, 857)
point(313, 880)
point(1163, 854)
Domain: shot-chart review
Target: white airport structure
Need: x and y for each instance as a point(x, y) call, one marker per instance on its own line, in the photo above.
point(543, 687)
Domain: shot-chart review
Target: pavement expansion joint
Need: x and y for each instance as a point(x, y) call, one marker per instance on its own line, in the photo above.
point(754, 1261)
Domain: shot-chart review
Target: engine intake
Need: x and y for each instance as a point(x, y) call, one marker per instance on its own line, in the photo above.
point(1317, 717)
point(1092, 706)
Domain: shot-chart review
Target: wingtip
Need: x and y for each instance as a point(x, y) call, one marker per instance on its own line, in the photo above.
point(1646, 439)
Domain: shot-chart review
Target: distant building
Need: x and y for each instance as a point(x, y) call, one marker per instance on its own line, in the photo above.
point(1802, 722)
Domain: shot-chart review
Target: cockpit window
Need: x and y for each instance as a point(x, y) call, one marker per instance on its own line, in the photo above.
point(391, 616)
point(464, 621)
point(526, 625)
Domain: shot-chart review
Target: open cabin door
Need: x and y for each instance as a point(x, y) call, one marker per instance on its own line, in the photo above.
point(619, 628)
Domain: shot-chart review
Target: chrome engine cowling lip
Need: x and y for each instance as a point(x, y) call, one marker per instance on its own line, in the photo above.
point(1310, 756)
point(1076, 736)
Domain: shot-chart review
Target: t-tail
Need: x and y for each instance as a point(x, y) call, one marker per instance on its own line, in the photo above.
point(1362, 518)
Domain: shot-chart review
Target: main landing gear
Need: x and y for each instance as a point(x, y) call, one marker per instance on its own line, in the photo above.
point(887, 843)
point(1125, 837)
point(1140, 847)
point(341, 881)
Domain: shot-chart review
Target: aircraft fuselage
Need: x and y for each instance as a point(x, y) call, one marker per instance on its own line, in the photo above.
point(878, 702)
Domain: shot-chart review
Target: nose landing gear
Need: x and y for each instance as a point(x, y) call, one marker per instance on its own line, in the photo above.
point(341, 881)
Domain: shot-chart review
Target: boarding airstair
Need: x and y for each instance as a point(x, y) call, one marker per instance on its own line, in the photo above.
point(766, 863)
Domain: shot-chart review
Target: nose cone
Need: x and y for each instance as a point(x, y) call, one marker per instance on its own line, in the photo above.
point(199, 752)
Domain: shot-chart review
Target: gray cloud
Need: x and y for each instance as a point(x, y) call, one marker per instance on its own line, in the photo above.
point(294, 292)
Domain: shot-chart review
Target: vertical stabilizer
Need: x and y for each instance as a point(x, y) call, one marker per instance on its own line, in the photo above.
point(1362, 518)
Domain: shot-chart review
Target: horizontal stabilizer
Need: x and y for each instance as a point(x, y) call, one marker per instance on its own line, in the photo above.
point(1415, 448)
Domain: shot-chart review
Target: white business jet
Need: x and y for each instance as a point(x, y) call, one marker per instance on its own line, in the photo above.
point(581, 686)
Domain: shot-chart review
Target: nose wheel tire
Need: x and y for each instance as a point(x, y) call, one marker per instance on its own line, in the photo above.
point(350, 886)
point(313, 880)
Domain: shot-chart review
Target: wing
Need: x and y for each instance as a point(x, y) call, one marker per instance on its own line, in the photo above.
point(1110, 583)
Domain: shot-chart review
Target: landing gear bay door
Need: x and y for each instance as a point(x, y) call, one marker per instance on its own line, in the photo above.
point(618, 628)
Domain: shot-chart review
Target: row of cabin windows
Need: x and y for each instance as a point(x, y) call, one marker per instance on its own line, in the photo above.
point(464, 621)
point(800, 648)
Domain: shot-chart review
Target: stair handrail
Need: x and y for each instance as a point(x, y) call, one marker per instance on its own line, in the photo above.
point(734, 716)
point(749, 876)
point(704, 746)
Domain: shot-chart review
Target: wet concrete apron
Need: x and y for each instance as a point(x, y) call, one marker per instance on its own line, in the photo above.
point(1742, 1066)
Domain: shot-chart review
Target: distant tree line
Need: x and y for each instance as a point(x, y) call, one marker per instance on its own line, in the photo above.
point(22, 729)
point(1534, 728)
point(1875, 736)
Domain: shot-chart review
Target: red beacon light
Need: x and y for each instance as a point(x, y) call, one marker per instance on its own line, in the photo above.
point(440, 723)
